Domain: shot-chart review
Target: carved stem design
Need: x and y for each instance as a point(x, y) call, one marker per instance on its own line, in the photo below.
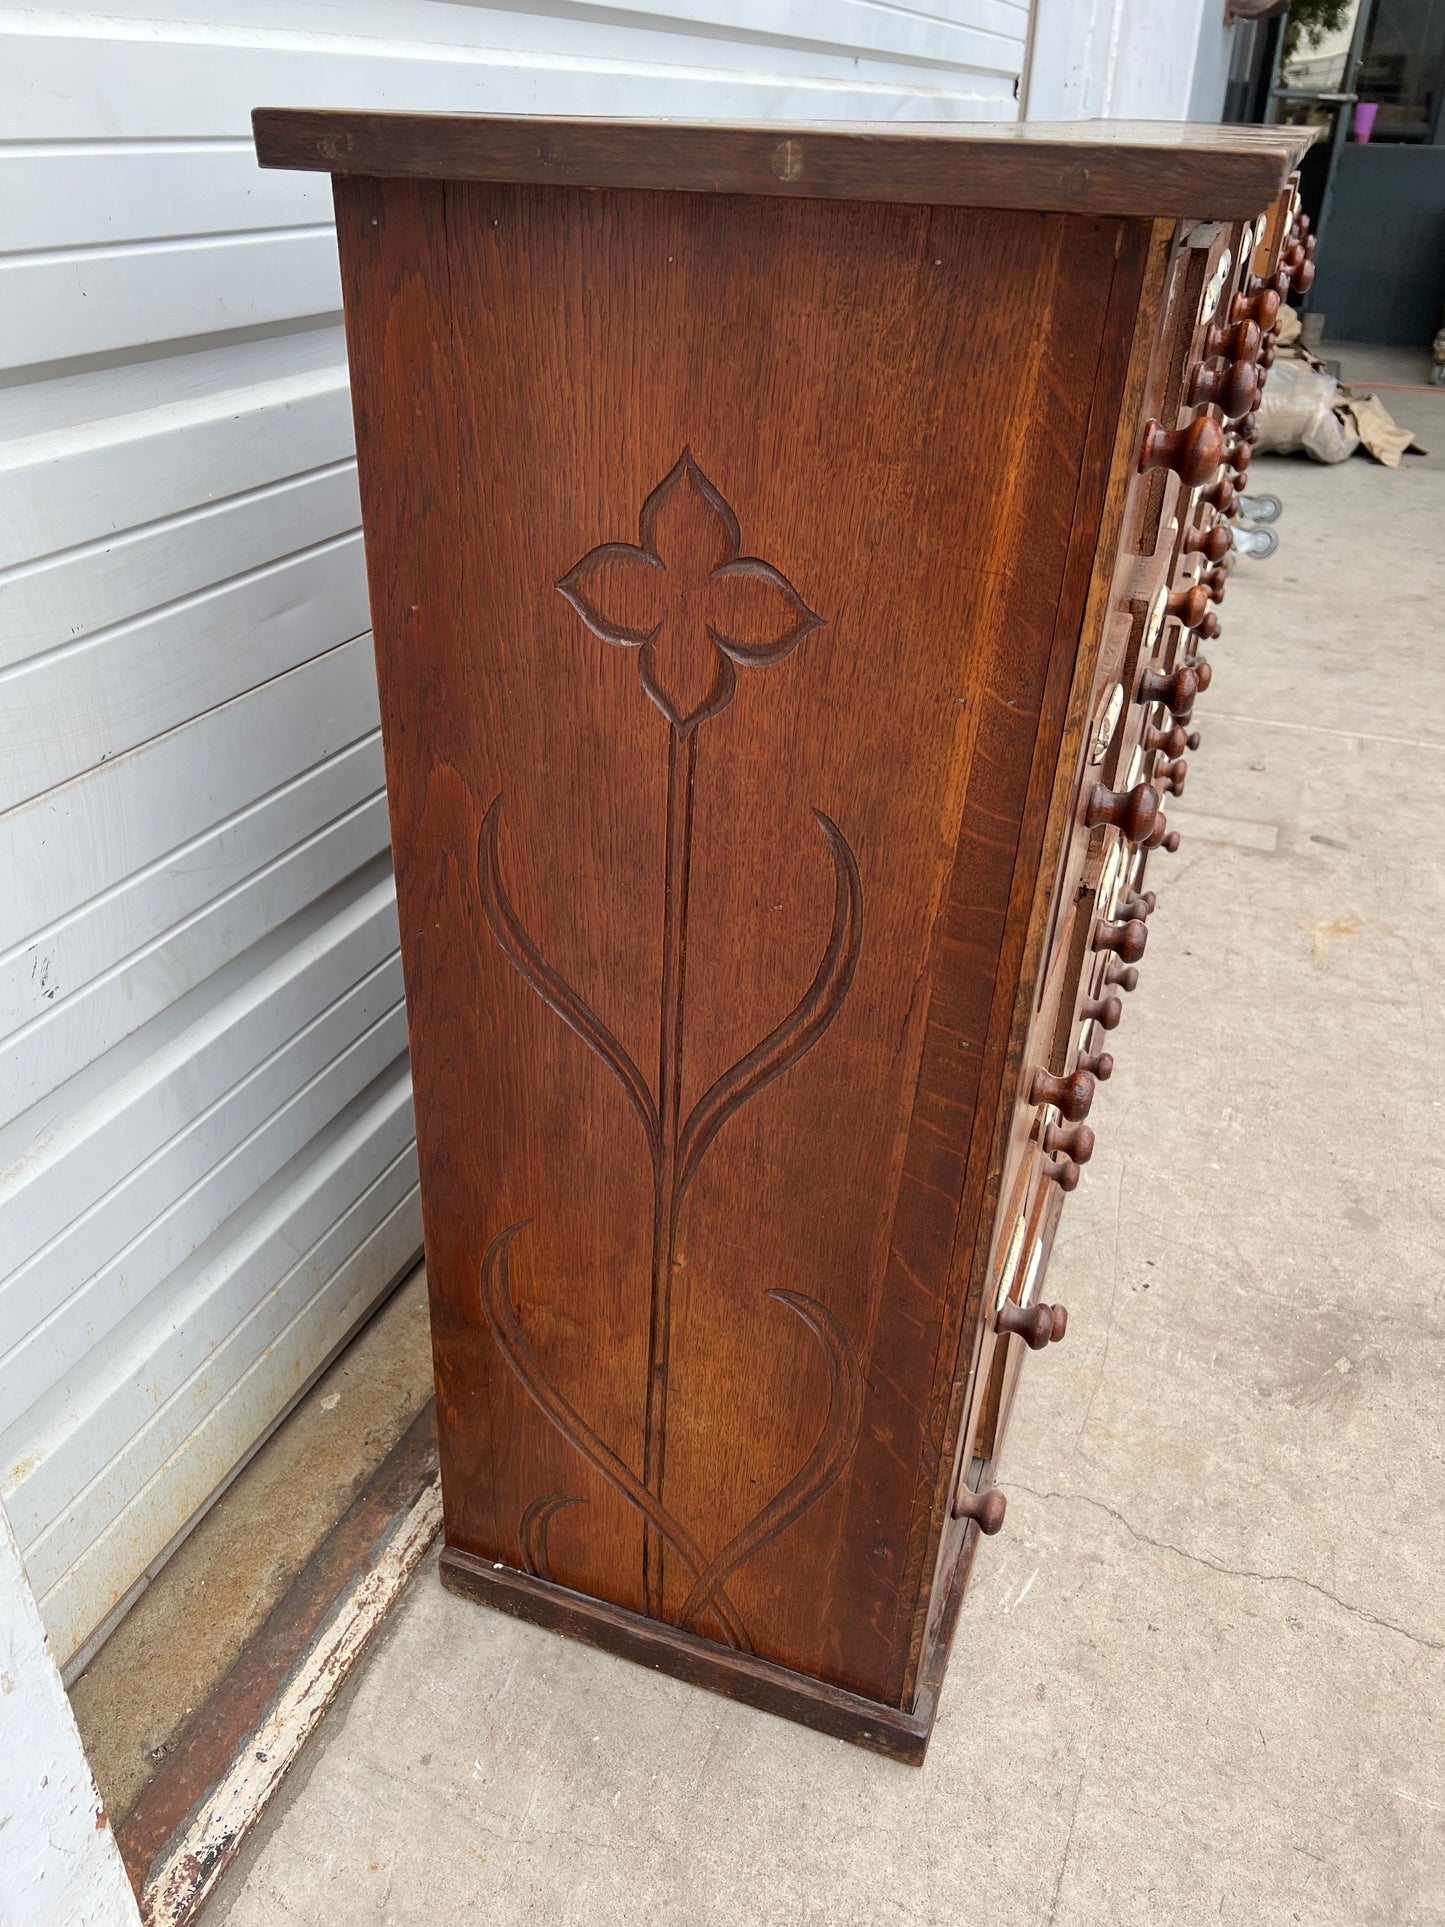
point(836, 1440)
point(506, 1328)
point(692, 606)
point(681, 770)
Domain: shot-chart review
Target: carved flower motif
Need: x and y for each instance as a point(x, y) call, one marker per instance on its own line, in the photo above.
point(687, 601)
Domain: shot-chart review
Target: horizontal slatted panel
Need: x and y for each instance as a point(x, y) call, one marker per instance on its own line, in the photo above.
point(206, 1163)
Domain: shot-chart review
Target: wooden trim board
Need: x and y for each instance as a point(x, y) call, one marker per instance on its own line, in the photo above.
point(227, 1764)
point(1140, 168)
point(899, 1735)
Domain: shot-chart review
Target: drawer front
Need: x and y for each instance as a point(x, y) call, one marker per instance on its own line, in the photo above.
point(1170, 576)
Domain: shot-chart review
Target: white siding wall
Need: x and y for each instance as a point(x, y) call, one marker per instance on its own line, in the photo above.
point(207, 1172)
point(1128, 60)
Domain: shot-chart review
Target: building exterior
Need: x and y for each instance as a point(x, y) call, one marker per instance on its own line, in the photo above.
point(207, 1172)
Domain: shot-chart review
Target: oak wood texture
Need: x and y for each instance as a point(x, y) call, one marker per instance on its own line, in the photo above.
point(1140, 168)
point(745, 585)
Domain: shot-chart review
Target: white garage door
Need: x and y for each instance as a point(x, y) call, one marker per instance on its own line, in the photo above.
point(207, 1174)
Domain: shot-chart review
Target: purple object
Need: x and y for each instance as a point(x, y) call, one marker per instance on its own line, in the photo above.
point(1365, 112)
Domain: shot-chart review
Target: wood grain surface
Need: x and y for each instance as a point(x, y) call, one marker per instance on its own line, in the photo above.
point(1138, 168)
point(712, 657)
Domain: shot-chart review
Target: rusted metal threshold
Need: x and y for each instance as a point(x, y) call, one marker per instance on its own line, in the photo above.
point(232, 1753)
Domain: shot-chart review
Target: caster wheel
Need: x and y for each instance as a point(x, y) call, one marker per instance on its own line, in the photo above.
point(1257, 543)
point(1259, 508)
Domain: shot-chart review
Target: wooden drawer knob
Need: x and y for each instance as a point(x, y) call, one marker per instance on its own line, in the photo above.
point(1131, 812)
point(1220, 495)
point(1098, 1063)
point(1260, 305)
point(1128, 941)
point(1266, 356)
point(1247, 428)
point(1194, 453)
point(1121, 976)
point(1170, 776)
point(1172, 741)
point(1207, 630)
point(1226, 385)
point(1188, 606)
point(1076, 1141)
point(1213, 543)
point(1040, 1325)
point(1133, 905)
point(1201, 671)
point(1071, 1095)
point(1239, 458)
point(1103, 1011)
point(985, 1509)
point(1214, 582)
point(1234, 340)
point(1303, 277)
point(1176, 691)
point(1063, 1172)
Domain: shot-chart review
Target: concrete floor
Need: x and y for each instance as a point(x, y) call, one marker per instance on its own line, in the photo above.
point(1200, 1675)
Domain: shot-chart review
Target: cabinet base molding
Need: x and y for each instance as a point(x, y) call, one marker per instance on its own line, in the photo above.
point(740, 1676)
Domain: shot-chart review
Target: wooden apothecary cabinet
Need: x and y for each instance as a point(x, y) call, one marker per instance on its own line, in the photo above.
point(788, 553)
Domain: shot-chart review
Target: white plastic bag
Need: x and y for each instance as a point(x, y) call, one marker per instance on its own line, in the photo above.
point(1296, 415)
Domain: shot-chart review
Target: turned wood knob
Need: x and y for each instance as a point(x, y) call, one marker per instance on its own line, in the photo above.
point(1121, 976)
point(1202, 672)
point(1176, 691)
point(986, 1509)
point(1294, 256)
point(1132, 812)
point(1213, 543)
point(1075, 1141)
point(1221, 495)
point(1189, 606)
point(1172, 741)
point(1234, 341)
point(1302, 279)
point(1266, 356)
point(1261, 305)
point(1214, 582)
point(1098, 1063)
point(1163, 838)
point(1064, 1172)
point(1071, 1095)
point(1247, 428)
point(1239, 458)
point(1040, 1325)
point(1227, 385)
point(1128, 941)
point(1170, 776)
point(1193, 452)
point(1103, 1011)
point(1207, 630)
point(1134, 905)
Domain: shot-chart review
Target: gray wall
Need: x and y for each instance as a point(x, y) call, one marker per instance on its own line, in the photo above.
point(1381, 270)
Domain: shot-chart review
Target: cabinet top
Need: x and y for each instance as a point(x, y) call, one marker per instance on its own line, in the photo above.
point(1153, 169)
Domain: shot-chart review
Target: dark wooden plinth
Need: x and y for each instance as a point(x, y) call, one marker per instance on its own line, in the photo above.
point(740, 1676)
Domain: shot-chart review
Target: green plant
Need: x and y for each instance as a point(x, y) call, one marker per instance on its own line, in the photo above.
point(1310, 20)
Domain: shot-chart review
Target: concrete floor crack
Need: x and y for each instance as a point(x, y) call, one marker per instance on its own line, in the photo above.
point(1239, 1572)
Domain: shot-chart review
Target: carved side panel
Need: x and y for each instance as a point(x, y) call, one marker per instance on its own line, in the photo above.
point(714, 547)
point(692, 607)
